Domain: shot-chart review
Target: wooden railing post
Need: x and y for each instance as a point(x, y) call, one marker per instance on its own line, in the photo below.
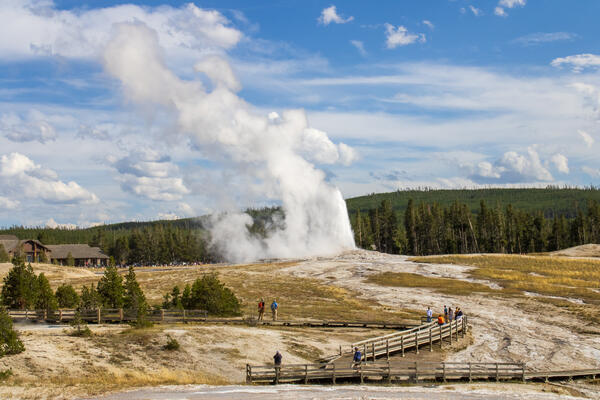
point(470, 372)
point(523, 371)
point(365, 352)
point(99, 315)
point(248, 374)
point(387, 349)
point(162, 315)
point(417, 342)
point(121, 316)
point(456, 330)
point(497, 373)
point(402, 344)
point(184, 315)
point(373, 350)
point(306, 373)
point(45, 315)
point(340, 349)
point(430, 340)
point(389, 373)
point(60, 315)
point(333, 378)
point(416, 372)
point(441, 337)
point(444, 372)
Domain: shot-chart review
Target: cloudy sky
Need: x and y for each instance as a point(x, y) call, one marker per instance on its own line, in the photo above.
point(446, 93)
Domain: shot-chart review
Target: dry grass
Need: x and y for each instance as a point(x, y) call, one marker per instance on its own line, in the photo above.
point(444, 285)
point(550, 276)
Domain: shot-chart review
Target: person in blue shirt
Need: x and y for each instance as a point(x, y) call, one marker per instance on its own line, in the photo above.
point(357, 357)
point(429, 314)
point(274, 307)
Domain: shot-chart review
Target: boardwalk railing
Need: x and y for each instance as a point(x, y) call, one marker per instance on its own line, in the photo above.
point(385, 372)
point(405, 372)
point(427, 333)
point(100, 315)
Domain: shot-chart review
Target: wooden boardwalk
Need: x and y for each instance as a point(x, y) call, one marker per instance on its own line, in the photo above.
point(403, 372)
point(189, 316)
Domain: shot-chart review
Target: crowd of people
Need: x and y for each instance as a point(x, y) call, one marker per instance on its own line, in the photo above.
point(449, 315)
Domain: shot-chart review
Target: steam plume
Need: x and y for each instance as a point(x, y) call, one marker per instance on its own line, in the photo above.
point(278, 151)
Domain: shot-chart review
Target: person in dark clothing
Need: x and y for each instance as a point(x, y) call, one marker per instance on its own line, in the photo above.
point(277, 358)
point(357, 357)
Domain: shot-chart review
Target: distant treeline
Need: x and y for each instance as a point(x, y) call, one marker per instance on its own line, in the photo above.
point(550, 201)
point(147, 243)
point(430, 228)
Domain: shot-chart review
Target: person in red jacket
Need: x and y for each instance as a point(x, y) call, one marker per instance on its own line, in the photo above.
point(261, 309)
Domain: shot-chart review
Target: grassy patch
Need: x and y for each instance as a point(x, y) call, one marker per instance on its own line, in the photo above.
point(544, 275)
point(444, 285)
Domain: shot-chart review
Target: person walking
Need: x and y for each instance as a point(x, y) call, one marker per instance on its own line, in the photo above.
point(274, 307)
point(357, 358)
point(429, 314)
point(277, 359)
point(261, 310)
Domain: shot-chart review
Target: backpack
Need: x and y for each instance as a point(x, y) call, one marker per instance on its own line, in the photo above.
point(273, 306)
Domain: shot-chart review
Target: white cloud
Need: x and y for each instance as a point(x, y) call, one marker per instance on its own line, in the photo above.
point(329, 15)
point(508, 4)
point(476, 11)
point(399, 36)
point(51, 223)
point(21, 176)
point(544, 37)
point(593, 172)
point(147, 174)
point(513, 167)
point(38, 28)
point(560, 162)
point(499, 11)
point(360, 46)
point(588, 140)
point(8, 204)
point(578, 62)
point(34, 127)
point(429, 24)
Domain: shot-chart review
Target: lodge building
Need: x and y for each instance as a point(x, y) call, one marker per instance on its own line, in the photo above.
point(35, 251)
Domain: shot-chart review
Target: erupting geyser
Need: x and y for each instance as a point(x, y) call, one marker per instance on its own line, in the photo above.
point(276, 151)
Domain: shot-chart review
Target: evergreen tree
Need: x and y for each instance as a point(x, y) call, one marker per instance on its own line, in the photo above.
point(3, 254)
point(45, 299)
point(134, 298)
point(209, 294)
point(110, 288)
point(411, 229)
point(9, 340)
point(70, 260)
point(67, 297)
point(186, 297)
point(90, 299)
point(19, 289)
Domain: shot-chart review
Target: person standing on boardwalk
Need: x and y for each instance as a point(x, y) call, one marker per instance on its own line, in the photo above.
point(261, 309)
point(429, 314)
point(445, 312)
point(450, 314)
point(357, 357)
point(274, 307)
point(440, 320)
point(277, 359)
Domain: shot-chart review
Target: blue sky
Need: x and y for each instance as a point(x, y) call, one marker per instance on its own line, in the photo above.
point(447, 93)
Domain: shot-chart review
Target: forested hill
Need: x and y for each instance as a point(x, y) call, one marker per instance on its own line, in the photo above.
point(551, 201)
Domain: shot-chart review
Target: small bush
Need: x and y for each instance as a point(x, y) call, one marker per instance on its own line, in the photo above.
point(4, 375)
point(172, 344)
point(80, 328)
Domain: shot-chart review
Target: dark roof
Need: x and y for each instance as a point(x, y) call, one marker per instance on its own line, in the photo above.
point(61, 251)
point(9, 242)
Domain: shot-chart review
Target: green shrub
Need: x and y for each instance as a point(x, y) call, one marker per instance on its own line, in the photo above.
point(80, 328)
point(5, 374)
point(9, 340)
point(208, 293)
point(172, 344)
point(67, 297)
